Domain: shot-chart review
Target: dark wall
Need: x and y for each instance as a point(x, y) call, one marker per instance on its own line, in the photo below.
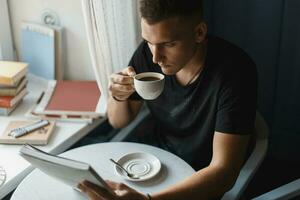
point(286, 120)
point(269, 31)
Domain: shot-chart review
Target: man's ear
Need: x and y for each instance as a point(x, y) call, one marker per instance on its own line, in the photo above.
point(200, 32)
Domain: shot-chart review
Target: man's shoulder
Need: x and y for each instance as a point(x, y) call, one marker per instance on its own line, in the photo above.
point(229, 65)
point(227, 51)
point(229, 58)
point(143, 50)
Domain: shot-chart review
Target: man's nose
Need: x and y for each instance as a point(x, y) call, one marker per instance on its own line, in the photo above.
point(157, 56)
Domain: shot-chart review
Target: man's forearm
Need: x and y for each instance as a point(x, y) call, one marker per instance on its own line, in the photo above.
point(208, 183)
point(121, 113)
point(213, 181)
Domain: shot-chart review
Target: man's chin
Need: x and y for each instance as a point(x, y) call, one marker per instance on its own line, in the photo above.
point(167, 70)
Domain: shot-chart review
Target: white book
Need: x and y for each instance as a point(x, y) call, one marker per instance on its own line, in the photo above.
point(59, 52)
point(68, 171)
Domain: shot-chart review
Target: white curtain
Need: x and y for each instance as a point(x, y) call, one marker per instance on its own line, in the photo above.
point(113, 34)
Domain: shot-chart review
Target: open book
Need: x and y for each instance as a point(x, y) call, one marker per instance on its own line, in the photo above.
point(68, 171)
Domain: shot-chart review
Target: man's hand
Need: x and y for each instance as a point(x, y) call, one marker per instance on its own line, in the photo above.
point(121, 84)
point(122, 192)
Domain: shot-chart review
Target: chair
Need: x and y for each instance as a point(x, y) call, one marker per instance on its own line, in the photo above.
point(284, 192)
point(248, 169)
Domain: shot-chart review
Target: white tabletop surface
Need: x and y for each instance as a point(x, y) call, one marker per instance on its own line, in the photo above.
point(65, 135)
point(39, 186)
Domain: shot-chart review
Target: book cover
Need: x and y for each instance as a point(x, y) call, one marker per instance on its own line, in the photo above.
point(37, 137)
point(12, 72)
point(13, 90)
point(38, 49)
point(68, 171)
point(59, 52)
point(70, 98)
point(10, 101)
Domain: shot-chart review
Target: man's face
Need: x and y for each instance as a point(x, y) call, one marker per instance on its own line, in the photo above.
point(171, 42)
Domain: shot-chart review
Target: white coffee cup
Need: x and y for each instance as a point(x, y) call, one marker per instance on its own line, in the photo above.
point(149, 85)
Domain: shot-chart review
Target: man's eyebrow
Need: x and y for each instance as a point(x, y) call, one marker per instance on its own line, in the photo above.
point(161, 43)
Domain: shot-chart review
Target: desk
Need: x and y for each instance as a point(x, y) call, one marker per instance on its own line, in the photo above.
point(39, 186)
point(64, 136)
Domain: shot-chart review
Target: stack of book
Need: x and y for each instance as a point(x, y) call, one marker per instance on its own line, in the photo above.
point(13, 83)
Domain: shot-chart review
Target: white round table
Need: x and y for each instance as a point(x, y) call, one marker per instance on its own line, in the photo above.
point(39, 186)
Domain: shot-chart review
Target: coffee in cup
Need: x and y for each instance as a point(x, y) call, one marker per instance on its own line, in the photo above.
point(149, 85)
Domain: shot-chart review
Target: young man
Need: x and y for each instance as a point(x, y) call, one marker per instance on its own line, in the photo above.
point(207, 109)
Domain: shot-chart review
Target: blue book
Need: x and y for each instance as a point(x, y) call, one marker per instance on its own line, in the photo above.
point(38, 49)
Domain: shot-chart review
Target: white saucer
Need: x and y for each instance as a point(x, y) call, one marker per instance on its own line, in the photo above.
point(144, 165)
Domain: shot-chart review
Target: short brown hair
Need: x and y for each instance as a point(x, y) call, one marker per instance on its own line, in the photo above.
point(154, 11)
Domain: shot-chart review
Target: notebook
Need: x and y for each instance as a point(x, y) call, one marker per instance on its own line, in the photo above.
point(70, 99)
point(38, 49)
point(68, 171)
point(59, 52)
point(38, 137)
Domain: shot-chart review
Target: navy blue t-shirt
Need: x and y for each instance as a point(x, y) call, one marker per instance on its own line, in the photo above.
point(223, 99)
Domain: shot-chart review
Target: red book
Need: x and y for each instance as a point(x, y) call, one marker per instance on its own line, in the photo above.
point(70, 98)
point(10, 101)
point(74, 96)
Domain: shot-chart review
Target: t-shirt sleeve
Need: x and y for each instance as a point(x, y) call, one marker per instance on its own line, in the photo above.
point(237, 100)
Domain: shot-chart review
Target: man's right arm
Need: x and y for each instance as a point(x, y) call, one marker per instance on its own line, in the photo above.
point(121, 111)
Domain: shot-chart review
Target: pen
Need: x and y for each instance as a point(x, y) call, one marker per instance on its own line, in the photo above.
point(18, 132)
point(40, 98)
